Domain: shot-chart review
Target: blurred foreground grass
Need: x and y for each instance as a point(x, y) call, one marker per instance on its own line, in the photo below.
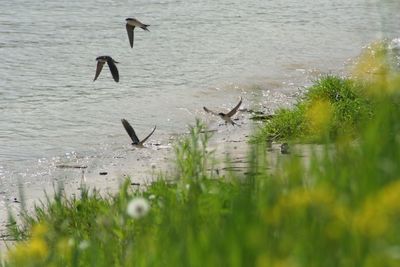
point(342, 209)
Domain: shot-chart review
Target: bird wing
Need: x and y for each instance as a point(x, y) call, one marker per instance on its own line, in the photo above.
point(147, 137)
point(130, 131)
point(129, 30)
point(210, 111)
point(98, 69)
point(235, 109)
point(113, 69)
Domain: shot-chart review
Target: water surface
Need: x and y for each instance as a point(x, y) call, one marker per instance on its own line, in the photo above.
point(196, 53)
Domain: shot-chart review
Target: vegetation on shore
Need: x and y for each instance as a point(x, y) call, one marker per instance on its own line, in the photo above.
point(332, 107)
point(341, 208)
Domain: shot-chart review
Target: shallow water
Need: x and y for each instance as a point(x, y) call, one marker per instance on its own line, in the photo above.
point(196, 53)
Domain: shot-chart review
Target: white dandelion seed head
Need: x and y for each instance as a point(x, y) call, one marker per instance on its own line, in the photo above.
point(83, 245)
point(137, 207)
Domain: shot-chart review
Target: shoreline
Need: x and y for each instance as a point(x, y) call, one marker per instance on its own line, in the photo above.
point(140, 165)
point(143, 165)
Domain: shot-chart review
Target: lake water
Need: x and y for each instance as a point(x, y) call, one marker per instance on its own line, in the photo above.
point(196, 53)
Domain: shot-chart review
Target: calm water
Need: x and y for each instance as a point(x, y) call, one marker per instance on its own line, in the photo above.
point(196, 52)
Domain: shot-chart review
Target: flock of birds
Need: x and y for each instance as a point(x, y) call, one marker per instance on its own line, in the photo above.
point(131, 24)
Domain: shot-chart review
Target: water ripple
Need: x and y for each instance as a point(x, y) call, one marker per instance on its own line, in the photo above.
point(50, 104)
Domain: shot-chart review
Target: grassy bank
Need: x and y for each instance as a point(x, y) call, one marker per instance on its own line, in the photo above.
point(331, 108)
point(342, 208)
point(339, 107)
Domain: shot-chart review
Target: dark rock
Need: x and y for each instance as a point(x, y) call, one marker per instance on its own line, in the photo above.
point(285, 148)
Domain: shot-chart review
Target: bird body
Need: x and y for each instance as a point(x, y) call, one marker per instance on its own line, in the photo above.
point(227, 117)
point(135, 140)
point(111, 64)
point(131, 23)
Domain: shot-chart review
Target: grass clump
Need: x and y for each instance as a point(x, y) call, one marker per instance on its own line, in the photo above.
point(333, 106)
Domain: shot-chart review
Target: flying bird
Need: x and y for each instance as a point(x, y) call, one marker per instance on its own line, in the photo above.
point(135, 140)
point(111, 64)
point(131, 23)
point(226, 116)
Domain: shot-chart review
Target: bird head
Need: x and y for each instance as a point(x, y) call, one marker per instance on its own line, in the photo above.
point(101, 58)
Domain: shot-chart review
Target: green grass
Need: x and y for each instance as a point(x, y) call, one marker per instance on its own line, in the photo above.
point(339, 208)
point(344, 102)
point(343, 210)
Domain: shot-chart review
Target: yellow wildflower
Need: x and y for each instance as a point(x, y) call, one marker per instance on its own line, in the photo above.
point(378, 213)
point(37, 247)
point(34, 250)
point(298, 200)
point(373, 66)
point(39, 230)
point(319, 116)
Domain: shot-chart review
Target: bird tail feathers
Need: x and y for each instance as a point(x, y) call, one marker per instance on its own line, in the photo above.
point(144, 27)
